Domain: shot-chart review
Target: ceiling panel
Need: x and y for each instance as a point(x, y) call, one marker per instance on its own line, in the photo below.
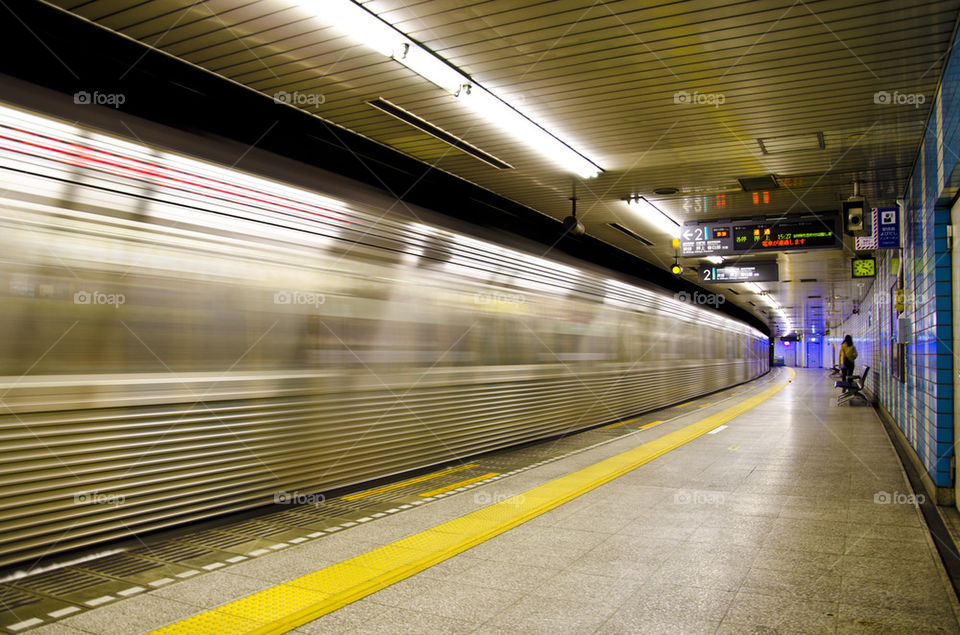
point(607, 78)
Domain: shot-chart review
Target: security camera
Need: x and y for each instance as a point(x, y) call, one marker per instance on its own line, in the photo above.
point(854, 216)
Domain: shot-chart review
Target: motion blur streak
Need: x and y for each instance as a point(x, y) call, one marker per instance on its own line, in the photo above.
point(184, 340)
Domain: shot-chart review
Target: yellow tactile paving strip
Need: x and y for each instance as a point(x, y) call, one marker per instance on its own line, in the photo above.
point(453, 486)
point(411, 481)
point(622, 423)
point(301, 600)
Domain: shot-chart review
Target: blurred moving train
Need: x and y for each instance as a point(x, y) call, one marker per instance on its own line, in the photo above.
point(183, 340)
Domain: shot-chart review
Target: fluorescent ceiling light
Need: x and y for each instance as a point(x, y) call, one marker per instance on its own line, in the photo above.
point(653, 215)
point(717, 260)
point(359, 24)
point(772, 304)
point(431, 67)
point(498, 112)
point(368, 29)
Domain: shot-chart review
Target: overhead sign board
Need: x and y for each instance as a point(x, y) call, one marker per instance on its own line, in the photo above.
point(729, 237)
point(707, 239)
point(888, 229)
point(885, 231)
point(752, 272)
point(779, 236)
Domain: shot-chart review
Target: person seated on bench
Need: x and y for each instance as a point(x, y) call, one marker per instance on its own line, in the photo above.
point(848, 353)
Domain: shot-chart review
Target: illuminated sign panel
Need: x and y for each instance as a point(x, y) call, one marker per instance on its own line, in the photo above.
point(701, 240)
point(727, 237)
point(803, 234)
point(753, 272)
point(888, 230)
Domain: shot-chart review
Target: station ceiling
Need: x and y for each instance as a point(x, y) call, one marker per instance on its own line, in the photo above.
point(685, 96)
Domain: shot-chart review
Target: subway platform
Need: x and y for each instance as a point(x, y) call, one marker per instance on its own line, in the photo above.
point(763, 509)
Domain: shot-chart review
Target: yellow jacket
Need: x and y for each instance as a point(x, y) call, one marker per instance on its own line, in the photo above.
point(847, 353)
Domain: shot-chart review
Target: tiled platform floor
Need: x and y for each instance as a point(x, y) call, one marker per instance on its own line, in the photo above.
point(778, 523)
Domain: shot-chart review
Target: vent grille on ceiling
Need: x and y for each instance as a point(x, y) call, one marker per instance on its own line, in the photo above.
point(425, 126)
point(808, 279)
point(631, 233)
point(759, 183)
point(732, 291)
point(792, 143)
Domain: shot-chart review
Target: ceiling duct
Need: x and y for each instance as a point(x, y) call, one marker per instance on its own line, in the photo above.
point(631, 233)
point(425, 126)
point(792, 143)
point(759, 183)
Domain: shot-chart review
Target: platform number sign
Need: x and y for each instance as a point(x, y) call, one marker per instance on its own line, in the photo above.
point(753, 272)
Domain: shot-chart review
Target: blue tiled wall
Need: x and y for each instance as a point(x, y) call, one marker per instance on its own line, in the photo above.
point(921, 405)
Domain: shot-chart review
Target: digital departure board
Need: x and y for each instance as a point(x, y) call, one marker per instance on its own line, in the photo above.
point(803, 234)
point(731, 236)
point(752, 272)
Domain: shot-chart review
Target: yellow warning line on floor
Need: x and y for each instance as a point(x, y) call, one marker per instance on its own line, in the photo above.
point(411, 481)
point(450, 488)
point(622, 423)
point(650, 425)
point(304, 599)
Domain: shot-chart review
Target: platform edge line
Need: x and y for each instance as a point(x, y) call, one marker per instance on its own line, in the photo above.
point(617, 466)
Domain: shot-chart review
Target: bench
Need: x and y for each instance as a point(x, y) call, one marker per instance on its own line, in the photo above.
point(853, 388)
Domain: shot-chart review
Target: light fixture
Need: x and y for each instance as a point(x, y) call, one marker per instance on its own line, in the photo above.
point(497, 111)
point(717, 260)
point(431, 68)
point(359, 24)
point(676, 269)
point(370, 30)
point(775, 307)
point(650, 213)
